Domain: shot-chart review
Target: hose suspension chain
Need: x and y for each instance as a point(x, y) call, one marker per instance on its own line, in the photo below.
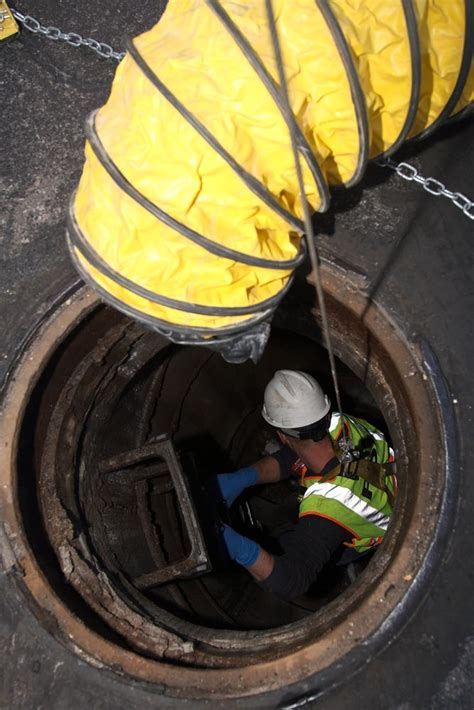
point(72, 38)
point(345, 444)
point(430, 184)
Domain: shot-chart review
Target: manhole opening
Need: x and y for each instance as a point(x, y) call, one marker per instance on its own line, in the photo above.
point(112, 387)
point(91, 385)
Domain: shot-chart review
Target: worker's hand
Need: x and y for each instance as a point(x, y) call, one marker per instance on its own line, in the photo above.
point(231, 485)
point(240, 548)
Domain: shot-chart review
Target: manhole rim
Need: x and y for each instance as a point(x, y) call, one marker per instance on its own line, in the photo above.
point(187, 682)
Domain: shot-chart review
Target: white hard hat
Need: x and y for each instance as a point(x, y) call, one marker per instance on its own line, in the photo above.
point(294, 399)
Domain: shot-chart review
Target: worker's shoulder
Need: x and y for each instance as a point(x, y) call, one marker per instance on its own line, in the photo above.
point(353, 422)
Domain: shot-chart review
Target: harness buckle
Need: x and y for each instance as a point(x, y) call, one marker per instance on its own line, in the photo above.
point(346, 451)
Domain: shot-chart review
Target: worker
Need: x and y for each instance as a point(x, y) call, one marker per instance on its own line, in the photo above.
point(341, 515)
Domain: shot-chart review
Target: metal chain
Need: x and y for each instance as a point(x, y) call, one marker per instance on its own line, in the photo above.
point(72, 38)
point(430, 184)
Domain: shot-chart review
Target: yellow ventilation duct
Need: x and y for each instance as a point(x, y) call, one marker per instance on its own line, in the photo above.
point(187, 216)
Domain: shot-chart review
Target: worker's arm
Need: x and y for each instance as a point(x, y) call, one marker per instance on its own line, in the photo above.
point(231, 485)
point(263, 566)
point(268, 470)
point(307, 549)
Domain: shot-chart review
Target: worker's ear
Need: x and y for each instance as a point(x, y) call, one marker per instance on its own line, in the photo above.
point(283, 438)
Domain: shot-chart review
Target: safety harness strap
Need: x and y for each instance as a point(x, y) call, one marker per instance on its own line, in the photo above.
point(374, 473)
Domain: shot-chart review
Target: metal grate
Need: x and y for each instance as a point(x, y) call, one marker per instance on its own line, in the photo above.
point(165, 476)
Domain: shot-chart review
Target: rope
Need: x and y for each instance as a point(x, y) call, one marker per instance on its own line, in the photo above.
point(310, 236)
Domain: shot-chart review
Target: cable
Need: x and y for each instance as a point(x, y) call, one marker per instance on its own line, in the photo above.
point(310, 237)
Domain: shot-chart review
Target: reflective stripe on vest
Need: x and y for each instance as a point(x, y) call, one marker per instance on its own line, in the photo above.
point(360, 507)
point(350, 500)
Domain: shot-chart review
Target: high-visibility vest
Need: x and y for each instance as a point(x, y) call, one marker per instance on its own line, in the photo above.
point(367, 439)
point(352, 501)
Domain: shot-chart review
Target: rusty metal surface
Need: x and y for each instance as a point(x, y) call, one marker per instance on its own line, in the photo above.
point(162, 455)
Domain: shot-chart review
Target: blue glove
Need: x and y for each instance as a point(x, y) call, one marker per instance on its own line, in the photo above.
point(231, 485)
point(240, 548)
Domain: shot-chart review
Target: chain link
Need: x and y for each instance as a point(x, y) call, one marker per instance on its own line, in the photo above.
point(72, 38)
point(430, 184)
